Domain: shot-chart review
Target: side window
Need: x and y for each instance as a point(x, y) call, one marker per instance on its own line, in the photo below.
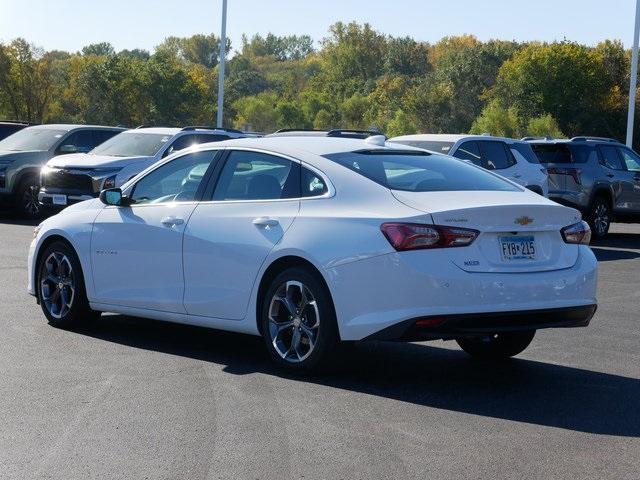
point(631, 159)
point(100, 136)
point(312, 185)
point(81, 139)
point(469, 151)
point(179, 143)
point(176, 181)
point(495, 155)
point(257, 176)
point(610, 157)
point(203, 138)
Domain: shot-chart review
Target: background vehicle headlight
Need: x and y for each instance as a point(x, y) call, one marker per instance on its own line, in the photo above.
point(109, 182)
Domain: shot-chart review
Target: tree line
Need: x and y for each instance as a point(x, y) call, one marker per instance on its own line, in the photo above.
point(356, 77)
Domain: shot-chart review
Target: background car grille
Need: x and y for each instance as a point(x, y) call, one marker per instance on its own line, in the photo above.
point(74, 181)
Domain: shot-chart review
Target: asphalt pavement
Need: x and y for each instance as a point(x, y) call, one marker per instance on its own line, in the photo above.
point(134, 398)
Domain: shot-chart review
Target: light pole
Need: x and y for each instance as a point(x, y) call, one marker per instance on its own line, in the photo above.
point(223, 47)
point(634, 77)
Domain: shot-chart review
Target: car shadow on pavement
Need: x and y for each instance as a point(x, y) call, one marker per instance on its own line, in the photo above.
point(520, 390)
point(10, 219)
point(609, 254)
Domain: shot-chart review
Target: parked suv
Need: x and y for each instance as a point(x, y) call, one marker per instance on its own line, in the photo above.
point(598, 176)
point(74, 178)
point(510, 158)
point(23, 154)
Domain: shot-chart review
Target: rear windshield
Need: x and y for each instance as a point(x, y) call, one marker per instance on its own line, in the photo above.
point(563, 153)
point(439, 147)
point(526, 151)
point(419, 171)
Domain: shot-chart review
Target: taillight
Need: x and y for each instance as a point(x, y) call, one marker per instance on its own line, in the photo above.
point(414, 236)
point(578, 233)
point(572, 172)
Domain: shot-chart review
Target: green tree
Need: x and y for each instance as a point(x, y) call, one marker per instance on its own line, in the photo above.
point(99, 49)
point(257, 112)
point(544, 126)
point(292, 47)
point(400, 124)
point(201, 49)
point(498, 121)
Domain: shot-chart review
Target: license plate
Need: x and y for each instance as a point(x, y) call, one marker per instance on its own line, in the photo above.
point(59, 199)
point(518, 248)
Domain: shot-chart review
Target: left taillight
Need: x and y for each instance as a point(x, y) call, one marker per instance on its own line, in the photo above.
point(415, 236)
point(578, 233)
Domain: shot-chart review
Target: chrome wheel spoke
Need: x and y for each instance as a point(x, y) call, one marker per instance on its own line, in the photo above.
point(57, 284)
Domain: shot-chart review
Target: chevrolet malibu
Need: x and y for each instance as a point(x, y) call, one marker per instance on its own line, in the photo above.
point(314, 241)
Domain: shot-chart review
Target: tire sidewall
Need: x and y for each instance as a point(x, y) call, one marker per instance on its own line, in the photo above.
point(328, 337)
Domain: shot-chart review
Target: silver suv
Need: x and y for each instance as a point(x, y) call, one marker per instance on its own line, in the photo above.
point(25, 152)
point(598, 176)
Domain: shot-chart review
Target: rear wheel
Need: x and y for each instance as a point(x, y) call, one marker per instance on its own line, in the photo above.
point(61, 287)
point(498, 345)
point(298, 322)
point(26, 195)
point(599, 217)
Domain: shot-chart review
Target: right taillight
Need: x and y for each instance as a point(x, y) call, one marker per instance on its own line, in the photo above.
point(578, 233)
point(415, 236)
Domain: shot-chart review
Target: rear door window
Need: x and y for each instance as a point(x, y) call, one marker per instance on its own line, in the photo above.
point(81, 139)
point(469, 151)
point(495, 155)
point(526, 151)
point(631, 159)
point(611, 158)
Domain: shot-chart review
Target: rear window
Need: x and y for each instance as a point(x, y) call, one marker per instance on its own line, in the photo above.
point(419, 171)
point(563, 153)
point(526, 151)
point(440, 147)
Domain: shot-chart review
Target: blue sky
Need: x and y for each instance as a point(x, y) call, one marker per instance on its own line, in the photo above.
point(71, 24)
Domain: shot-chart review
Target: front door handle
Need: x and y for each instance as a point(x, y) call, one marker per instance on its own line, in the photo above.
point(172, 221)
point(266, 222)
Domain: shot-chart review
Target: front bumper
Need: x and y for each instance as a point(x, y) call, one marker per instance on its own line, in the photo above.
point(48, 199)
point(456, 326)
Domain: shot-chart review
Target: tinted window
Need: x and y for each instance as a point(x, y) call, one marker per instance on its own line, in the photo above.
point(100, 136)
point(133, 144)
point(33, 138)
point(526, 151)
point(469, 151)
point(419, 172)
point(176, 181)
point(495, 155)
point(631, 159)
point(81, 139)
point(257, 176)
point(563, 153)
point(610, 157)
point(440, 147)
point(312, 185)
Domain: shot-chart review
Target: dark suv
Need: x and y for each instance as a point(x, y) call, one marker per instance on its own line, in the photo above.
point(598, 176)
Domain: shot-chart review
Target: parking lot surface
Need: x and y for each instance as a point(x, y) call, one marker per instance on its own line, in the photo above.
point(134, 398)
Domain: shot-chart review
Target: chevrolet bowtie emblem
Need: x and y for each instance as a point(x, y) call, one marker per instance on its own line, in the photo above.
point(523, 220)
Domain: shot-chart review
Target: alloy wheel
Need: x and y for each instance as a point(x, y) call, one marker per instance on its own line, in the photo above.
point(294, 321)
point(57, 284)
point(601, 219)
point(30, 203)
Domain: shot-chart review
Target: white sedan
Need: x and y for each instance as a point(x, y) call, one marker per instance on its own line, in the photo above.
point(310, 241)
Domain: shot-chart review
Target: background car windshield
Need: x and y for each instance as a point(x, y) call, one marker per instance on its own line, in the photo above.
point(32, 139)
point(419, 172)
point(440, 147)
point(132, 145)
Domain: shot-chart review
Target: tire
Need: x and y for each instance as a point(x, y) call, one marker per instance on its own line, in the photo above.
point(599, 217)
point(302, 340)
point(61, 289)
point(26, 198)
point(497, 346)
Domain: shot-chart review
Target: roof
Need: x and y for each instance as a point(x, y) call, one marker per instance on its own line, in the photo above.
point(71, 126)
point(157, 130)
point(448, 137)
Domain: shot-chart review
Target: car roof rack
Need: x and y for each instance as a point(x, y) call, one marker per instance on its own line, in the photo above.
point(287, 130)
point(18, 122)
point(349, 133)
point(587, 138)
point(145, 126)
point(208, 127)
point(528, 139)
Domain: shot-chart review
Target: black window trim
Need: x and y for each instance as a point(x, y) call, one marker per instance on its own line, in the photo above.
point(214, 177)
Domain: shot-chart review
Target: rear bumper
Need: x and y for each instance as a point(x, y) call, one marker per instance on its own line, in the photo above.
point(454, 326)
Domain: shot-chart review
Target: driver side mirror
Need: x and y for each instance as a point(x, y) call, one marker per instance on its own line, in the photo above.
point(113, 196)
point(67, 149)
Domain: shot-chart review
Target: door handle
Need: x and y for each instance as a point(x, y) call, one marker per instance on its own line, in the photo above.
point(516, 175)
point(171, 221)
point(610, 175)
point(266, 222)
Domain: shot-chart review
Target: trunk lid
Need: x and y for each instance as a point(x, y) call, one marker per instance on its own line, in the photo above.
point(519, 231)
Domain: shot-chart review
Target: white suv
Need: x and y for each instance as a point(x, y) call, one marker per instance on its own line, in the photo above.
point(68, 179)
point(513, 159)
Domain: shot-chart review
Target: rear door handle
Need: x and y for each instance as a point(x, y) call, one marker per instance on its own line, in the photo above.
point(172, 221)
point(610, 175)
point(266, 222)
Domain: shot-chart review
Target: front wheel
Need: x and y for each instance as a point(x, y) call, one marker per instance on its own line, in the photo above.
point(298, 322)
point(27, 203)
point(498, 345)
point(61, 288)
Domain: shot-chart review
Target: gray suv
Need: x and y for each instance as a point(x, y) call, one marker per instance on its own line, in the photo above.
point(598, 176)
point(23, 154)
